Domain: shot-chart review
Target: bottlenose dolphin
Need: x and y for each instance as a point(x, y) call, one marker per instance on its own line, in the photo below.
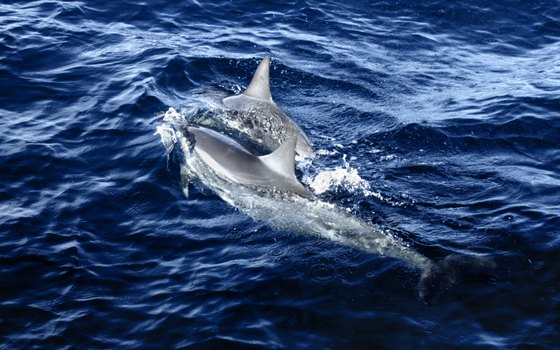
point(266, 188)
point(263, 121)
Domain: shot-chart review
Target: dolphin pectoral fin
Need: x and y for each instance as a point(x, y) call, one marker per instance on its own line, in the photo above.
point(443, 275)
point(260, 86)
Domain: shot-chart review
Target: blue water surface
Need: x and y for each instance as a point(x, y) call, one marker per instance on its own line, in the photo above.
point(448, 110)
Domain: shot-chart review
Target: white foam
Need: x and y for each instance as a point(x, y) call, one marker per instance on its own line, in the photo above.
point(324, 152)
point(338, 177)
point(167, 131)
point(345, 177)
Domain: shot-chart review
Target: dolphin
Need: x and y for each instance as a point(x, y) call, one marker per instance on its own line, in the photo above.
point(266, 189)
point(264, 122)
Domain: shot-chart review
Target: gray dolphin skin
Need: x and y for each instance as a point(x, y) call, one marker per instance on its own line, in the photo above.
point(232, 161)
point(269, 126)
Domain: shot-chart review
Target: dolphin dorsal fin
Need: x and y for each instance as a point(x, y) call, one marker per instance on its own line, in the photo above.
point(283, 158)
point(260, 87)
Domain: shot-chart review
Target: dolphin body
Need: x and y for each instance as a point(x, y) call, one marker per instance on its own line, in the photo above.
point(261, 119)
point(266, 188)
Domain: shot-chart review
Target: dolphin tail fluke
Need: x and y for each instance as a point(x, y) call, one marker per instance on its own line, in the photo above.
point(444, 274)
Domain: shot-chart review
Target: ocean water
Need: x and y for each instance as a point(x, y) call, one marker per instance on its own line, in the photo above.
point(438, 120)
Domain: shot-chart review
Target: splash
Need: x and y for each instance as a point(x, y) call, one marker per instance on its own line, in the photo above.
point(167, 130)
point(344, 177)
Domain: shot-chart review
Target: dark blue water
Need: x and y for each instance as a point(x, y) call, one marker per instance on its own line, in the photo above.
point(446, 112)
